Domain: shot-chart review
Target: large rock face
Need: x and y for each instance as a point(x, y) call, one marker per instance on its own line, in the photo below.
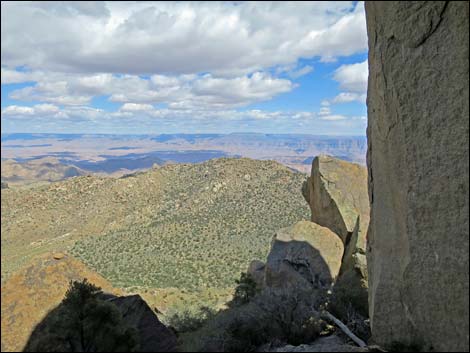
point(337, 195)
point(303, 255)
point(418, 162)
point(338, 198)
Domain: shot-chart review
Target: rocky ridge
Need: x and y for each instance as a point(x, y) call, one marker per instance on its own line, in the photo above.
point(39, 170)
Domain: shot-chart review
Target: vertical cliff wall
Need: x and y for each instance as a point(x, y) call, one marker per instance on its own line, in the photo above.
point(418, 162)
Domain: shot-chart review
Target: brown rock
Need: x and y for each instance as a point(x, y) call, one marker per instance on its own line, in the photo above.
point(338, 198)
point(58, 256)
point(304, 254)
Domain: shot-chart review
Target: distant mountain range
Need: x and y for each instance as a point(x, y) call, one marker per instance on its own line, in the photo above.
point(117, 155)
point(45, 169)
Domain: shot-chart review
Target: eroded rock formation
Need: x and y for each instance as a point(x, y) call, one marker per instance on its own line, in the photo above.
point(337, 194)
point(418, 162)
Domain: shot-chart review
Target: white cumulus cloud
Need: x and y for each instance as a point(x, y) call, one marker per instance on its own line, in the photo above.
point(353, 77)
point(177, 37)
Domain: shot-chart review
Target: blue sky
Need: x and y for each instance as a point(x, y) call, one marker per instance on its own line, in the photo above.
point(184, 67)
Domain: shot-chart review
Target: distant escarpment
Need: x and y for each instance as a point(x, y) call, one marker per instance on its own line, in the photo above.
point(418, 162)
point(39, 170)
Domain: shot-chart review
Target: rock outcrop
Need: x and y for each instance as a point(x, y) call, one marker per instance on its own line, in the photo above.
point(303, 255)
point(418, 162)
point(31, 293)
point(153, 335)
point(337, 194)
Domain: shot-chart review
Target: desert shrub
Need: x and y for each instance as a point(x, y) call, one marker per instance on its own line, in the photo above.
point(182, 234)
point(83, 322)
point(189, 320)
point(349, 304)
point(245, 290)
point(286, 316)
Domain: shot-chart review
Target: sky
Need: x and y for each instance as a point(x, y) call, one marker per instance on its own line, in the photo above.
point(184, 67)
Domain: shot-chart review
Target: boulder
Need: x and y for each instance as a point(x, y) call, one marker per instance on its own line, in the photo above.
point(418, 162)
point(58, 256)
point(153, 335)
point(305, 254)
point(338, 197)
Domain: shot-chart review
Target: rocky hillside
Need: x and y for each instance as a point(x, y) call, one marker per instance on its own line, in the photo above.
point(315, 271)
point(209, 221)
point(37, 170)
point(29, 295)
point(184, 226)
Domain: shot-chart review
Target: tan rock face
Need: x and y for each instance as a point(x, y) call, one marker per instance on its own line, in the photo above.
point(31, 293)
point(418, 162)
point(303, 255)
point(338, 198)
point(338, 194)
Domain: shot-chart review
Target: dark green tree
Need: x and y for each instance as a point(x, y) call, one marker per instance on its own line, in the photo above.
point(83, 322)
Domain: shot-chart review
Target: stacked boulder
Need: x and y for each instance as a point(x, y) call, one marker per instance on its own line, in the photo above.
point(337, 193)
point(331, 248)
point(302, 255)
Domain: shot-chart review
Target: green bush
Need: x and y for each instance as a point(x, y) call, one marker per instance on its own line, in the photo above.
point(281, 316)
point(189, 320)
point(83, 322)
point(347, 304)
point(245, 290)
